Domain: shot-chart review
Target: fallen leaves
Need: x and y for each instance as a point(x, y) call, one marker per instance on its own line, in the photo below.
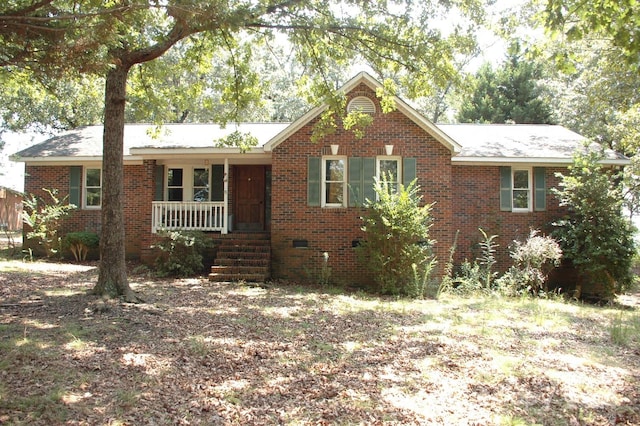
point(224, 354)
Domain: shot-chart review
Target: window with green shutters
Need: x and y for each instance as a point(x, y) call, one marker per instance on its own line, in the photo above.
point(523, 189)
point(93, 188)
point(360, 174)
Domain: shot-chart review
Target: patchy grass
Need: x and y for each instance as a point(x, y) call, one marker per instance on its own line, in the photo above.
point(204, 353)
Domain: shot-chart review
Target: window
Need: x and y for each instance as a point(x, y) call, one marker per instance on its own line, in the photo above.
point(523, 189)
point(175, 188)
point(92, 188)
point(389, 169)
point(334, 183)
point(200, 184)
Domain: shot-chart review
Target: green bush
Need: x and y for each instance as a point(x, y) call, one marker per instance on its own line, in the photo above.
point(79, 243)
point(596, 238)
point(181, 253)
point(396, 247)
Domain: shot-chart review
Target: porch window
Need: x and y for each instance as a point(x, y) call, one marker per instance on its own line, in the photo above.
point(175, 185)
point(92, 188)
point(334, 182)
point(200, 184)
point(389, 169)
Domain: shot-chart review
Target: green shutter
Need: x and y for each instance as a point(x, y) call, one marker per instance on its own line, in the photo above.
point(368, 175)
point(505, 188)
point(313, 181)
point(217, 182)
point(158, 176)
point(408, 171)
point(540, 185)
point(75, 180)
point(356, 183)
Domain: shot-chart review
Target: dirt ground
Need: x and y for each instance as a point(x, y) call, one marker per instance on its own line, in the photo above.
point(232, 354)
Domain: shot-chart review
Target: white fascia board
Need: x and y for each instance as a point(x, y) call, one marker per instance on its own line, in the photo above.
point(57, 161)
point(293, 127)
point(500, 161)
point(156, 152)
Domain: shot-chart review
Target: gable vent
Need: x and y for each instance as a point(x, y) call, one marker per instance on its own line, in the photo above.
point(363, 104)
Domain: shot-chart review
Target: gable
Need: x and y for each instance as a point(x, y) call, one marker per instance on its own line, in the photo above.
point(352, 90)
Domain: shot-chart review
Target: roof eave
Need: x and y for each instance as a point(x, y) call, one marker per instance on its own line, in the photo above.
point(128, 159)
point(542, 161)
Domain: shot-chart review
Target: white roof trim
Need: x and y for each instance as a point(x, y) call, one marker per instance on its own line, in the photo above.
point(402, 106)
point(495, 161)
point(45, 161)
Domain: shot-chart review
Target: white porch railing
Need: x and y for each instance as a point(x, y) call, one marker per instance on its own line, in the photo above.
point(188, 215)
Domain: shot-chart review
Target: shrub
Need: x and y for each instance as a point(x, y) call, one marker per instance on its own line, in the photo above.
point(44, 217)
point(397, 238)
point(467, 281)
point(79, 243)
point(181, 253)
point(533, 260)
point(595, 237)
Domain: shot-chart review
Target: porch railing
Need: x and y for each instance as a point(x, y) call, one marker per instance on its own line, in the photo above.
point(188, 215)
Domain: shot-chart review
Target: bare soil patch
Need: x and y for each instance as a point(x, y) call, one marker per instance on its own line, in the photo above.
point(226, 354)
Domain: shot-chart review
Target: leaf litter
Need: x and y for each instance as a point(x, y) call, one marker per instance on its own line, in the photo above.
point(224, 354)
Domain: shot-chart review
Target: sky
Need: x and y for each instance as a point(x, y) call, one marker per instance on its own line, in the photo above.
point(11, 173)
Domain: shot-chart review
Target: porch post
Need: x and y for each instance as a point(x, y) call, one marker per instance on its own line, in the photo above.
point(225, 215)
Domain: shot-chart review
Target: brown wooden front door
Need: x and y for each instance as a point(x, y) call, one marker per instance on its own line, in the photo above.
point(249, 199)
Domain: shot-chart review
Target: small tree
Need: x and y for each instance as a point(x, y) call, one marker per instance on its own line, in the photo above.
point(44, 217)
point(396, 247)
point(595, 237)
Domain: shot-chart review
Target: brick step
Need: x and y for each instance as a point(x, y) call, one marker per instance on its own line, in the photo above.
point(245, 252)
point(246, 236)
point(239, 269)
point(261, 261)
point(223, 278)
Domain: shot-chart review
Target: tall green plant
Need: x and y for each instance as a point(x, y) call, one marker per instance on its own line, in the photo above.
point(487, 257)
point(397, 248)
point(44, 218)
point(595, 237)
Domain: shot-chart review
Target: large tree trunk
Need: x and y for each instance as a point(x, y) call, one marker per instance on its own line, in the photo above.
point(112, 280)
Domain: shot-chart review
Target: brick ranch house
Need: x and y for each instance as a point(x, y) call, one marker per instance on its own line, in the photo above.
point(296, 200)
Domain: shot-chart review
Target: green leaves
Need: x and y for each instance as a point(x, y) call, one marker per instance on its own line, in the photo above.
point(397, 248)
point(595, 237)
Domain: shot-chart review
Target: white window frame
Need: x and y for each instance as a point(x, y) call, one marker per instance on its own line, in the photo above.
point(529, 189)
point(398, 160)
point(324, 202)
point(188, 175)
point(193, 183)
point(166, 182)
point(85, 187)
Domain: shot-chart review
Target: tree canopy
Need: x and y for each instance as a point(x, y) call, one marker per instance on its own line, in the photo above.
point(511, 93)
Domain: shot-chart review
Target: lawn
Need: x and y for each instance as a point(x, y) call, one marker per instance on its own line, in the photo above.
point(227, 354)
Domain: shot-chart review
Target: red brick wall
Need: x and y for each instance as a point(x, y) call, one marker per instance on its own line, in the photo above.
point(138, 188)
point(476, 204)
point(333, 229)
